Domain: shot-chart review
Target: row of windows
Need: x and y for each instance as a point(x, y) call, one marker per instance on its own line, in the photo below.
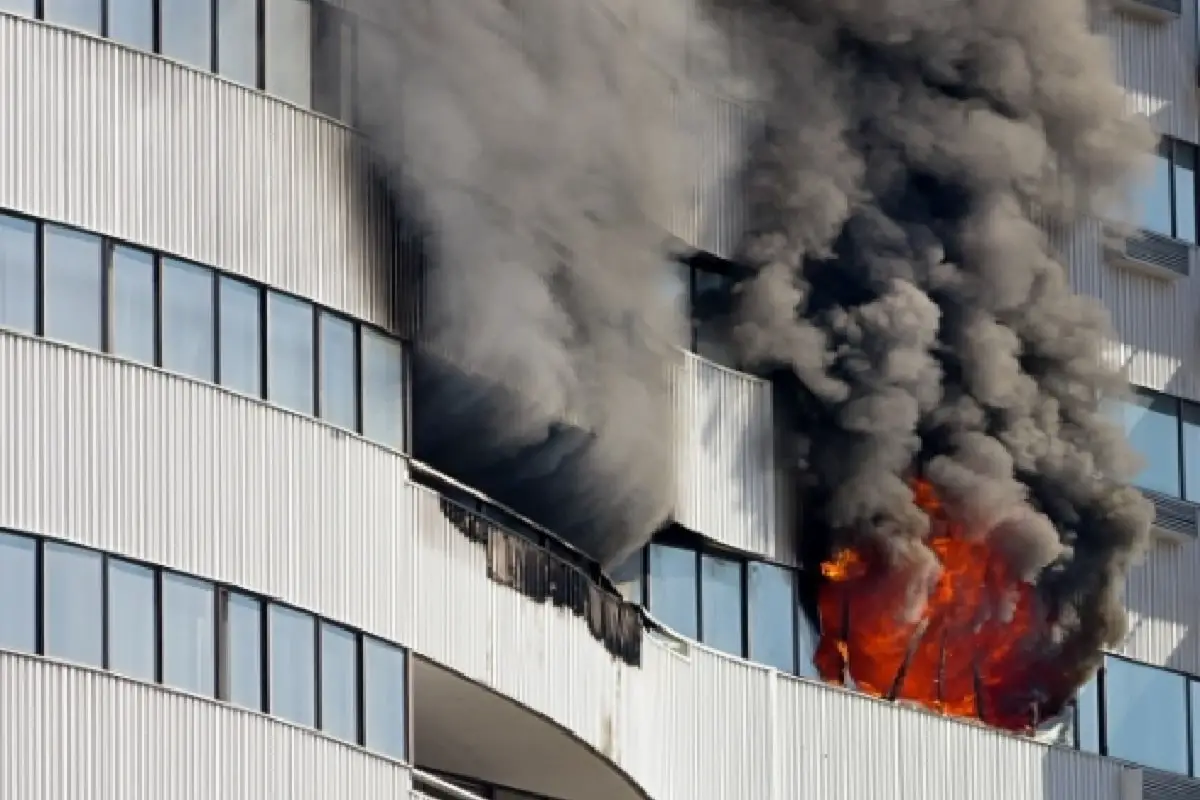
point(159, 626)
point(1165, 432)
point(80, 288)
point(1166, 203)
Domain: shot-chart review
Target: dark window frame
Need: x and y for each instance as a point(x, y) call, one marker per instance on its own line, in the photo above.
point(1168, 149)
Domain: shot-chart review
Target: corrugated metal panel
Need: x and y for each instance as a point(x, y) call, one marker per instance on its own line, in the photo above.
point(1156, 63)
point(72, 733)
point(1163, 597)
point(143, 149)
point(1167, 786)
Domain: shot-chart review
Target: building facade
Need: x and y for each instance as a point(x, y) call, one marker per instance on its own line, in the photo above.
point(223, 572)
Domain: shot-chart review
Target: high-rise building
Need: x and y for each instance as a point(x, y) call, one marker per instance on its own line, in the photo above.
point(224, 572)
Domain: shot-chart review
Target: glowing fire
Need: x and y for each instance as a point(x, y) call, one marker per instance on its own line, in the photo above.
point(977, 650)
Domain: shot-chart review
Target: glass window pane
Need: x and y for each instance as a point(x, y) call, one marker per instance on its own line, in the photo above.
point(339, 682)
point(18, 273)
point(385, 691)
point(133, 304)
point(237, 40)
point(1146, 715)
point(339, 386)
point(289, 50)
point(26, 8)
point(18, 593)
point(672, 588)
point(806, 646)
point(187, 31)
point(132, 22)
point(772, 599)
point(189, 634)
point(628, 577)
point(292, 635)
point(1194, 690)
point(187, 319)
point(81, 14)
point(72, 285)
point(1152, 200)
point(333, 61)
point(1185, 192)
point(383, 388)
point(1087, 721)
point(244, 632)
point(241, 337)
point(1191, 451)
point(73, 598)
point(721, 590)
point(131, 623)
point(1153, 431)
point(290, 352)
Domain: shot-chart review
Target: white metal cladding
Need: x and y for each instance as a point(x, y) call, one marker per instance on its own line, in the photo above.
point(143, 149)
point(726, 482)
point(156, 467)
point(69, 732)
point(1156, 63)
point(1163, 598)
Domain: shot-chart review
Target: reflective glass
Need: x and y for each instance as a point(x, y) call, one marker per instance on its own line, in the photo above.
point(1194, 691)
point(290, 352)
point(339, 682)
point(72, 284)
point(1152, 201)
point(721, 593)
point(81, 14)
point(628, 577)
point(243, 632)
point(333, 61)
point(132, 22)
point(237, 40)
point(187, 31)
point(133, 304)
point(339, 386)
point(806, 646)
point(241, 336)
point(1191, 451)
point(1087, 720)
point(672, 588)
point(1185, 192)
point(131, 625)
point(18, 273)
point(187, 319)
point(289, 50)
point(189, 634)
point(26, 8)
point(383, 388)
point(772, 599)
point(18, 593)
point(1153, 431)
point(73, 602)
point(1145, 712)
point(385, 689)
point(292, 635)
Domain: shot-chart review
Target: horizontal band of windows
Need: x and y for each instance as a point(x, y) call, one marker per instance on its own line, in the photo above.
point(153, 624)
point(98, 293)
point(1165, 432)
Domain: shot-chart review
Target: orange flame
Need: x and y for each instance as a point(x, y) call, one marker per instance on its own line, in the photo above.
point(978, 648)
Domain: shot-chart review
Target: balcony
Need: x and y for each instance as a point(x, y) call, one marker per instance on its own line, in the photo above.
point(1152, 254)
point(1151, 10)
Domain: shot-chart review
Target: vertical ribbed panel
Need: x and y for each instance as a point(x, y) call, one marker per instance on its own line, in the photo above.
point(143, 149)
point(1163, 597)
point(1156, 63)
point(72, 733)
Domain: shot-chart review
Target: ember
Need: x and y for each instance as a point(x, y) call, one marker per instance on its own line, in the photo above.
point(979, 648)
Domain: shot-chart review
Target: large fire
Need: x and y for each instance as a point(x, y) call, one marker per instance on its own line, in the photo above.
point(978, 649)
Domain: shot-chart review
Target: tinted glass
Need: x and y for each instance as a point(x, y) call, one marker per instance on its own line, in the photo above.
point(131, 642)
point(244, 676)
point(133, 304)
point(333, 61)
point(187, 31)
point(23, 7)
point(1194, 690)
point(74, 600)
point(289, 50)
point(806, 646)
point(18, 273)
point(1087, 719)
point(1146, 715)
point(772, 600)
point(628, 577)
point(73, 280)
point(339, 387)
point(1152, 202)
point(721, 590)
point(383, 389)
point(81, 14)
point(187, 319)
point(1185, 192)
point(237, 40)
point(290, 352)
point(672, 588)
point(18, 593)
point(339, 682)
point(132, 22)
point(189, 634)
point(241, 337)
point(385, 689)
point(1191, 451)
point(711, 303)
point(292, 635)
point(1153, 431)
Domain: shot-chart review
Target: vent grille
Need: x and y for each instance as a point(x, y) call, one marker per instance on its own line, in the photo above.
point(1153, 252)
point(1154, 9)
point(1168, 786)
point(1174, 516)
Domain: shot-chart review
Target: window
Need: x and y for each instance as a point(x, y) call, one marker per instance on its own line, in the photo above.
point(133, 304)
point(807, 639)
point(187, 31)
point(339, 382)
point(81, 14)
point(18, 274)
point(18, 593)
point(243, 651)
point(1191, 451)
point(772, 603)
point(73, 277)
point(383, 389)
point(237, 40)
point(710, 308)
point(721, 595)
point(290, 352)
point(1087, 719)
point(241, 336)
point(132, 22)
point(187, 318)
point(292, 637)
point(289, 50)
point(673, 588)
point(189, 634)
point(385, 689)
point(1166, 202)
point(131, 621)
point(333, 61)
point(1152, 426)
point(26, 8)
point(73, 599)
point(628, 577)
point(339, 682)
point(1145, 713)
point(1183, 171)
